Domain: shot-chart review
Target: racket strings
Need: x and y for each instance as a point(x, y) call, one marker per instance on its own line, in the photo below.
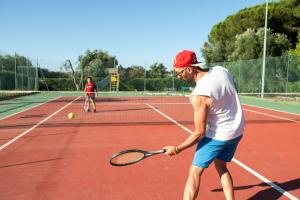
point(129, 157)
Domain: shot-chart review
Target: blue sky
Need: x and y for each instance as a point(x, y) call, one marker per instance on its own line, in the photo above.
point(135, 31)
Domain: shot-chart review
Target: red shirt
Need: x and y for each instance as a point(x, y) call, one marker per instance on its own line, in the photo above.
point(90, 87)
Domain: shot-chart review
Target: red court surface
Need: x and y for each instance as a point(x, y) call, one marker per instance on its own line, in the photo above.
point(58, 158)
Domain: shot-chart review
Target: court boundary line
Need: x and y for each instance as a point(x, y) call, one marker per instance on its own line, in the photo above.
point(271, 109)
point(28, 108)
point(269, 115)
point(36, 125)
point(239, 163)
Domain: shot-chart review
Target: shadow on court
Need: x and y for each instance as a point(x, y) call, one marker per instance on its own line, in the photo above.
point(27, 163)
point(96, 124)
point(41, 135)
point(269, 192)
point(276, 121)
point(120, 110)
point(33, 116)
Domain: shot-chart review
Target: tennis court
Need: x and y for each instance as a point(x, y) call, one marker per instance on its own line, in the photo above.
point(45, 155)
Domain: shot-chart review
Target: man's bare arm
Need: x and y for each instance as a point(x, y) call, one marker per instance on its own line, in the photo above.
point(201, 106)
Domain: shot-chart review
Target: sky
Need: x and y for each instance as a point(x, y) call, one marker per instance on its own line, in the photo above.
point(137, 32)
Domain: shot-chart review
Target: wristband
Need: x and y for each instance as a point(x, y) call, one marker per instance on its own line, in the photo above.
point(176, 150)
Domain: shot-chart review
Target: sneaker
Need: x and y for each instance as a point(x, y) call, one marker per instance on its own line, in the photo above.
point(94, 110)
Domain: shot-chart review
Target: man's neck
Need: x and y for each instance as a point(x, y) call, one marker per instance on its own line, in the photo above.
point(199, 75)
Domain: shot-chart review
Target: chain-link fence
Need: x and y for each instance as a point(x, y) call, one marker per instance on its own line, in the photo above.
point(282, 74)
point(17, 73)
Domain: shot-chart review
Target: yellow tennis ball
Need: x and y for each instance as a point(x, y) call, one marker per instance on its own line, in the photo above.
point(71, 115)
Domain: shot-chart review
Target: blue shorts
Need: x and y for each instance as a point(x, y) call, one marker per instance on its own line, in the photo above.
point(209, 149)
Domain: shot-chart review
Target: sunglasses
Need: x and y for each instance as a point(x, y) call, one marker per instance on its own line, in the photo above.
point(179, 73)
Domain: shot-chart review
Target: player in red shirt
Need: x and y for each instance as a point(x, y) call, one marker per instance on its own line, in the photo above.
point(90, 93)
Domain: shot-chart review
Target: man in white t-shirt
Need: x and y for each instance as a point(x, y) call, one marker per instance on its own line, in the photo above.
point(218, 118)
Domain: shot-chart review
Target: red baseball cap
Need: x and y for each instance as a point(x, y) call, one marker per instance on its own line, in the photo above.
point(188, 58)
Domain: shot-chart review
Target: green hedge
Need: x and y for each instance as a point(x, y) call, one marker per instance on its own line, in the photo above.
point(294, 87)
point(158, 84)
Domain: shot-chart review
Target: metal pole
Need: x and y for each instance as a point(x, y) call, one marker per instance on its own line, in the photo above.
point(81, 77)
point(264, 54)
point(287, 75)
point(239, 81)
point(28, 73)
point(145, 76)
point(36, 76)
point(22, 77)
point(16, 81)
point(173, 88)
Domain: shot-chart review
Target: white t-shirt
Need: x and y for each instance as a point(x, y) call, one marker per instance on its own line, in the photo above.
point(225, 119)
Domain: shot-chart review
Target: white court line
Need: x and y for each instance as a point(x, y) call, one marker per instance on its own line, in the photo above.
point(270, 109)
point(30, 129)
point(273, 185)
point(28, 108)
point(272, 115)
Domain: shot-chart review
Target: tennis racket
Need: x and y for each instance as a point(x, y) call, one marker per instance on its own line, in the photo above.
point(86, 106)
point(132, 156)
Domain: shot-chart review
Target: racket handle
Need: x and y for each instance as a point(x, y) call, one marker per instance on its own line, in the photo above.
point(158, 151)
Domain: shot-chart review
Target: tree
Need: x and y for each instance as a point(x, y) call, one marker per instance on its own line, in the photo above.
point(7, 62)
point(157, 70)
point(67, 66)
point(296, 51)
point(135, 71)
point(283, 18)
point(294, 70)
point(249, 45)
point(94, 63)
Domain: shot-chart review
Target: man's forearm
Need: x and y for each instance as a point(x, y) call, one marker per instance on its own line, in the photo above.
point(190, 141)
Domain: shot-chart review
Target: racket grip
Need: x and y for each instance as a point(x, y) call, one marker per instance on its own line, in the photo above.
point(158, 151)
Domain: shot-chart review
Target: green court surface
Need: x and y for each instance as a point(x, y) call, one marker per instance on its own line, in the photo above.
point(12, 104)
point(285, 105)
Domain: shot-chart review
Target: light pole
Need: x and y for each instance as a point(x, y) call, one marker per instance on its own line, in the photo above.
point(145, 73)
point(264, 54)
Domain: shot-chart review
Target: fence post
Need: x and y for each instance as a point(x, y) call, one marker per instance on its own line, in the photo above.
point(145, 73)
point(16, 81)
point(287, 74)
point(173, 81)
point(28, 73)
point(36, 86)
